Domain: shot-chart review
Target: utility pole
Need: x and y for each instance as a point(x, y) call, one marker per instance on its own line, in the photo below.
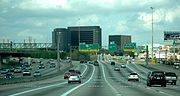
point(152, 34)
point(58, 57)
point(174, 46)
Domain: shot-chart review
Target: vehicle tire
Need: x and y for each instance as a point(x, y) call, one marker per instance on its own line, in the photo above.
point(79, 81)
point(137, 80)
point(147, 84)
point(174, 83)
point(69, 82)
point(165, 85)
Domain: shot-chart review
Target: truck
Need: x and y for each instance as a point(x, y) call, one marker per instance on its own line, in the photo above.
point(171, 77)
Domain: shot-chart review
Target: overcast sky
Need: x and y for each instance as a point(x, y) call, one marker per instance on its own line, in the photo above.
point(21, 19)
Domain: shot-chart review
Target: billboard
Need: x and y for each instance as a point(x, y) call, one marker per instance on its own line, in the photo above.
point(171, 35)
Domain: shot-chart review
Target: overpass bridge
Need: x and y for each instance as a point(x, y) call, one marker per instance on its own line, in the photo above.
point(25, 45)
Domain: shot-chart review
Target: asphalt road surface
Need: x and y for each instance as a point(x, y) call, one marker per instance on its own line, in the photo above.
point(96, 81)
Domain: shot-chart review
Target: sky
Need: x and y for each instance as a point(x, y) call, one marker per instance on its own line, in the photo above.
point(35, 19)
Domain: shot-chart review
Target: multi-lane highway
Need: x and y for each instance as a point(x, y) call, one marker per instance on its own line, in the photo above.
point(99, 80)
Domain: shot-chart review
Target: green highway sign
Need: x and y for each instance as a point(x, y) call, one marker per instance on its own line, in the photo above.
point(83, 47)
point(130, 47)
point(112, 47)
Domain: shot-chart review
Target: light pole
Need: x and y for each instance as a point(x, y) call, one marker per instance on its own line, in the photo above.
point(152, 34)
point(79, 30)
point(58, 57)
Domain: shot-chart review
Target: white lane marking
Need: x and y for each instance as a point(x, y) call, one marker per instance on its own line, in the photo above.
point(84, 69)
point(108, 82)
point(68, 92)
point(20, 93)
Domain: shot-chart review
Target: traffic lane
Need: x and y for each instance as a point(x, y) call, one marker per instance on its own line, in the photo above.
point(170, 89)
point(129, 88)
point(59, 90)
point(47, 90)
point(143, 75)
point(97, 86)
point(18, 86)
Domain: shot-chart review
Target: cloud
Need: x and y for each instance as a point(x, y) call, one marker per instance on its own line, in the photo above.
point(44, 4)
point(37, 18)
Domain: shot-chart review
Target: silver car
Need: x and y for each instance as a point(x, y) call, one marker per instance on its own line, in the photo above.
point(74, 78)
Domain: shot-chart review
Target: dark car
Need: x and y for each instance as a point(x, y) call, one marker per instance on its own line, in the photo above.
point(156, 78)
point(9, 75)
point(96, 63)
point(112, 63)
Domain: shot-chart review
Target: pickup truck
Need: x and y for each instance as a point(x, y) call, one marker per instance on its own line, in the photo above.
point(171, 77)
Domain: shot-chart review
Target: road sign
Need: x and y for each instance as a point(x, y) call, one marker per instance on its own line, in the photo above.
point(83, 47)
point(171, 35)
point(130, 47)
point(112, 47)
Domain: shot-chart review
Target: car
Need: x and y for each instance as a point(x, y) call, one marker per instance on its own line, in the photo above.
point(37, 74)
point(123, 65)
point(52, 65)
point(9, 75)
point(18, 70)
point(66, 75)
point(11, 69)
point(74, 78)
point(116, 68)
point(171, 77)
point(96, 63)
point(26, 73)
point(41, 66)
point(81, 61)
point(112, 63)
point(133, 76)
point(90, 62)
point(156, 78)
point(4, 71)
point(177, 64)
point(73, 71)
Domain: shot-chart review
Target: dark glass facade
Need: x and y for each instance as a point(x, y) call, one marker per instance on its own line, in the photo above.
point(72, 36)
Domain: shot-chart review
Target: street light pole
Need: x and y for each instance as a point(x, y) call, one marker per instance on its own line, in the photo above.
point(58, 57)
point(79, 30)
point(152, 34)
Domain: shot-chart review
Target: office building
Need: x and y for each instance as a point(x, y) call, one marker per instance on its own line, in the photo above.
point(120, 40)
point(72, 36)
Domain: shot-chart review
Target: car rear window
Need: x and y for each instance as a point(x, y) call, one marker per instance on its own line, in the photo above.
point(158, 74)
point(170, 74)
point(133, 74)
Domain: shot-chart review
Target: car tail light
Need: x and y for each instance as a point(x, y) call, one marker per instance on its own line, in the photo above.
point(151, 77)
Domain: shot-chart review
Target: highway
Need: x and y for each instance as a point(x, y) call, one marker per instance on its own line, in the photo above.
point(99, 80)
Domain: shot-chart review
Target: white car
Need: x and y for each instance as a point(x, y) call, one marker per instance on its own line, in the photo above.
point(26, 73)
point(116, 68)
point(37, 73)
point(123, 66)
point(133, 76)
point(74, 78)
